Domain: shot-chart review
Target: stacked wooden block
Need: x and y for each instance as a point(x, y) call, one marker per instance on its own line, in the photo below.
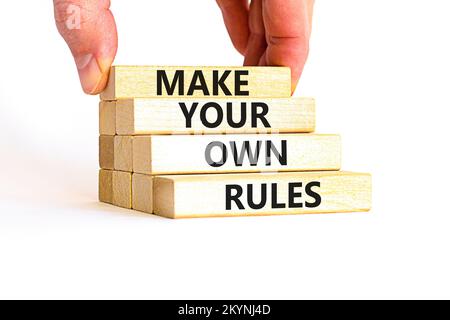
point(185, 142)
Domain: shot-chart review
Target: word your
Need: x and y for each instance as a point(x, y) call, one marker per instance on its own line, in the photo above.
point(246, 152)
point(234, 194)
point(198, 83)
point(258, 111)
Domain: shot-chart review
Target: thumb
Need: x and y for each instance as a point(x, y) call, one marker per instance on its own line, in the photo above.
point(89, 29)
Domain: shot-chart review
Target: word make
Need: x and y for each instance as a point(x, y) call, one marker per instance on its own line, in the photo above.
point(197, 83)
point(128, 82)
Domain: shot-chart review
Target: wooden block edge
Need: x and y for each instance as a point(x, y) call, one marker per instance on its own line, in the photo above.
point(123, 153)
point(142, 193)
point(109, 94)
point(122, 189)
point(125, 117)
point(164, 206)
point(105, 186)
point(106, 152)
point(107, 118)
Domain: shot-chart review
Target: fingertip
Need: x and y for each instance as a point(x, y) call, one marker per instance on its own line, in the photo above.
point(295, 77)
point(241, 47)
point(294, 85)
point(288, 52)
point(297, 71)
point(93, 73)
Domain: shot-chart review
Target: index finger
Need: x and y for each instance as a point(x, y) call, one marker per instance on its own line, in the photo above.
point(235, 16)
point(288, 29)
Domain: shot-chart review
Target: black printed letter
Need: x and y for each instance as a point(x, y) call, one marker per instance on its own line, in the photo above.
point(313, 194)
point(188, 114)
point(178, 79)
point(229, 197)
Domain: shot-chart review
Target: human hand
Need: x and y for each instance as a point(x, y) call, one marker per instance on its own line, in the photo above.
point(89, 29)
point(269, 32)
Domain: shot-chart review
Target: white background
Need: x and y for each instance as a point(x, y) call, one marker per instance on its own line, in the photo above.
point(380, 72)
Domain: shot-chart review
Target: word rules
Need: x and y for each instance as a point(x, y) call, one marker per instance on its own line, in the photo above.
point(261, 194)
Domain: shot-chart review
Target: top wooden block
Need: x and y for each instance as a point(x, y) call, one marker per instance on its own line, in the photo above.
point(149, 82)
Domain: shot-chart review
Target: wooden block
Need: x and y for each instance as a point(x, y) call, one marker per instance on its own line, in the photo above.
point(191, 196)
point(105, 186)
point(115, 153)
point(106, 152)
point(149, 82)
point(142, 193)
point(115, 188)
point(235, 153)
point(107, 116)
point(206, 116)
point(123, 150)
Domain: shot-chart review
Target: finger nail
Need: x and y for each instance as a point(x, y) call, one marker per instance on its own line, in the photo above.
point(93, 80)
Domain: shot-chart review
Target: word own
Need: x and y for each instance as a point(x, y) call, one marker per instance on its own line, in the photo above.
point(245, 151)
